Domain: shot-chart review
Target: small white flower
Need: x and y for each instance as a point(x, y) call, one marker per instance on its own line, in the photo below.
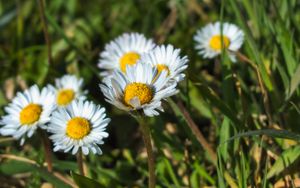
point(141, 88)
point(167, 58)
point(124, 50)
point(27, 111)
point(81, 125)
point(209, 43)
point(67, 89)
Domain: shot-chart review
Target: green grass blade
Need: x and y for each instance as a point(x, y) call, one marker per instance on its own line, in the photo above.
point(286, 159)
point(269, 132)
point(217, 102)
point(250, 41)
point(295, 81)
point(14, 167)
point(264, 184)
point(171, 172)
point(84, 182)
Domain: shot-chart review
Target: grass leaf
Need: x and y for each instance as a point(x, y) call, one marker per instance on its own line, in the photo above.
point(15, 167)
point(269, 132)
point(287, 158)
point(295, 81)
point(84, 182)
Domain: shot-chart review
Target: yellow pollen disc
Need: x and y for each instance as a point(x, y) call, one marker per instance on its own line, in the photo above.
point(78, 127)
point(30, 114)
point(161, 67)
point(65, 96)
point(216, 44)
point(139, 90)
point(129, 58)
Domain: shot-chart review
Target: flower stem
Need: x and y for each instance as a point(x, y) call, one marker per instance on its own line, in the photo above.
point(147, 141)
point(47, 149)
point(80, 162)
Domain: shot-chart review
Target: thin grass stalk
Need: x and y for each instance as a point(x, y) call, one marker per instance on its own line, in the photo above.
point(203, 142)
point(261, 85)
point(45, 29)
point(240, 93)
point(198, 134)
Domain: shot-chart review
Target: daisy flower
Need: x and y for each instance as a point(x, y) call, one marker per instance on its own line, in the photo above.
point(27, 112)
point(81, 125)
point(141, 88)
point(124, 50)
point(209, 39)
point(67, 89)
point(167, 58)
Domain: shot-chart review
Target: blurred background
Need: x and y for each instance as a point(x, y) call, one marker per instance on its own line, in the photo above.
point(224, 99)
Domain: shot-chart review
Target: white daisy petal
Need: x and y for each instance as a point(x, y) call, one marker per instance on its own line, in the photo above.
point(67, 89)
point(124, 51)
point(73, 127)
point(166, 58)
point(28, 111)
point(140, 92)
point(85, 150)
point(209, 41)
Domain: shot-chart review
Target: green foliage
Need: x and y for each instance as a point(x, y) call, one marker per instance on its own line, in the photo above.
point(287, 158)
point(83, 181)
point(16, 167)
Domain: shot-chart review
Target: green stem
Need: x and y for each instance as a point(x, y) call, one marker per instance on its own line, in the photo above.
point(147, 141)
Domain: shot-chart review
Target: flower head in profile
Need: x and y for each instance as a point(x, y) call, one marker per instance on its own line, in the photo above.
point(28, 111)
point(81, 125)
point(67, 89)
point(124, 51)
point(167, 58)
point(141, 88)
point(210, 39)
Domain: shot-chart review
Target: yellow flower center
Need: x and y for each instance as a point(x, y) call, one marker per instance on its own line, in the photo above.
point(129, 58)
point(30, 114)
point(216, 44)
point(139, 90)
point(78, 127)
point(161, 67)
point(65, 96)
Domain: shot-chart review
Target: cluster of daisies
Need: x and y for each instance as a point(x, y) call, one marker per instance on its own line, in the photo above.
point(61, 110)
point(137, 76)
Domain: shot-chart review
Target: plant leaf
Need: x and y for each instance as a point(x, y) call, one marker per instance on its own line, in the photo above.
point(295, 81)
point(285, 160)
point(269, 132)
point(214, 100)
point(14, 167)
point(84, 182)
